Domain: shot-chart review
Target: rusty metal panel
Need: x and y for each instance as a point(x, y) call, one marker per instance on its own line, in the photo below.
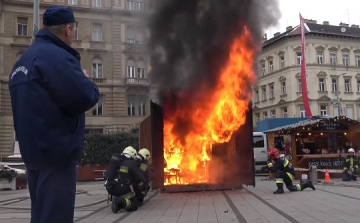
point(145, 134)
point(244, 152)
point(157, 144)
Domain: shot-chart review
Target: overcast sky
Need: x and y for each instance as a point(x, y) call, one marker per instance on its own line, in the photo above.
point(334, 11)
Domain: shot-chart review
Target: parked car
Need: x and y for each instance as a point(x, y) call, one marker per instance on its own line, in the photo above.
point(260, 150)
point(6, 167)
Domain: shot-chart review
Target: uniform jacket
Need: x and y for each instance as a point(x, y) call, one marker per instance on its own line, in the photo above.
point(50, 95)
point(282, 164)
point(350, 162)
point(145, 169)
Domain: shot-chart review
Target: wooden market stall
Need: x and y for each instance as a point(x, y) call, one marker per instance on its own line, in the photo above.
point(320, 141)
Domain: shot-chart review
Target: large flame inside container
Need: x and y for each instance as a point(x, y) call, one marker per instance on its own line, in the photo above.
point(218, 114)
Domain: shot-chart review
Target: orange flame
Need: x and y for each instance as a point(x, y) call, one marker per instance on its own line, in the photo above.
point(214, 119)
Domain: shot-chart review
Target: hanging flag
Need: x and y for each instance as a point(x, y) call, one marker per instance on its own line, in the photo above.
point(303, 70)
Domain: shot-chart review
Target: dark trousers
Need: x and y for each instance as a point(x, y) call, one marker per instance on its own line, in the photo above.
point(347, 177)
point(140, 195)
point(123, 197)
point(287, 178)
point(52, 193)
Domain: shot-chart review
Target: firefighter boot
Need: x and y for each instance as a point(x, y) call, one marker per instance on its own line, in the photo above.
point(115, 204)
point(280, 189)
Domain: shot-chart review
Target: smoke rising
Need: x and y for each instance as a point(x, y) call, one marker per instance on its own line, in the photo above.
point(190, 42)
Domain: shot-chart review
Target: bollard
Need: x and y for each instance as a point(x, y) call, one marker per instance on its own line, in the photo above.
point(313, 174)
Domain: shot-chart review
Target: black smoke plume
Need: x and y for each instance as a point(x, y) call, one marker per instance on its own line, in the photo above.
point(190, 42)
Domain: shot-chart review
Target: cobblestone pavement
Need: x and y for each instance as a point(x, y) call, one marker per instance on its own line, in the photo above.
point(339, 202)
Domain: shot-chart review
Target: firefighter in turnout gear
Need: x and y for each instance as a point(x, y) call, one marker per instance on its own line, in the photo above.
point(284, 173)
point(121, 172)
point(142, 161)
point(350, 166)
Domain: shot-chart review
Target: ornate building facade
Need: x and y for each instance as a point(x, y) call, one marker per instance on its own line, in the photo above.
point(110, 37)
point(332, 72)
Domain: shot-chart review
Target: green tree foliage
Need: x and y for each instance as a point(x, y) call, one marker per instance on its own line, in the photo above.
point(98, 147)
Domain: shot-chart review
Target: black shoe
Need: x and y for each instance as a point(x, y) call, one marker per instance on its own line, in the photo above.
point(114, 205)
point(279, 191)
point(309, 184)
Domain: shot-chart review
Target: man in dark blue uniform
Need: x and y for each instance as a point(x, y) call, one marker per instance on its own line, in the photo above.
point(50, 94)
point(284, 173)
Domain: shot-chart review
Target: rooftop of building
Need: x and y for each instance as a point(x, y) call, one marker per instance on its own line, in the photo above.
point(312, 27)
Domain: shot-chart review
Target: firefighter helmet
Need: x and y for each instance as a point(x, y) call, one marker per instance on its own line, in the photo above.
point(145, 153)
point(274, 153)
point(130, 151)
point(351, 150)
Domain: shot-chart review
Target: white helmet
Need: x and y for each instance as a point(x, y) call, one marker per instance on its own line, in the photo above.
point(351, 150)
point(130, 151)
point(145, 153)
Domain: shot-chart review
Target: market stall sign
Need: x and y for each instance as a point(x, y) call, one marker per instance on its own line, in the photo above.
point(326, 163)
point(331, 126)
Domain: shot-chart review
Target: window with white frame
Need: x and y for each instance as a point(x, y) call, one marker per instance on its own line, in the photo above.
point(321, 84)
point(333, 58)
point(285, 115)
point(302, 111)
point(271, 91)
point(257, 96)
point(323, 110)
point(282, 61)
point(358, 85)
point(130, 34)
point(265, 115)
point(347, 85)
point(263, 93)
point(283, 87)
point(299, 85)
point(98, 108)
point(97, 32)
point(271, 66)
point(96, 3)
point(131, 104)
point(336, 110)
point(257, 117)
point(319, 55)
point(72, 2)
point(22, 26)
point(140, 35)
point(141, 69)
point(350, 112)
point(357, 60)
point(345, 59)
point(298, 58)
point(334, 84)
point(97, 68)
point(131, 5)
point(142, 105)
point(76, 35)
point(273, 114)
point(263, 69)
point(140, 6)
point(131, 70)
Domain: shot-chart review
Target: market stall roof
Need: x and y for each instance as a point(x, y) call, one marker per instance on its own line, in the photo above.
point(311, 122)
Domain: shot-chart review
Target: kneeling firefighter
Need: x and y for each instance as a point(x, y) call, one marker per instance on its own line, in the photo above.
point(142, 161)
point(121, 171)
point(350, 166)
point(284, 173)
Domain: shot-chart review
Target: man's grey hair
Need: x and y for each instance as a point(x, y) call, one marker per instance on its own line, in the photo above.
point(58, 29)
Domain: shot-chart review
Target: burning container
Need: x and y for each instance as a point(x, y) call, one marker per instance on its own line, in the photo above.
point(230, 164)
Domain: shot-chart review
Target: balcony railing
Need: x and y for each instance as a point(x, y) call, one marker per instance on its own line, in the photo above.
point(137, 81)
point(98, 80)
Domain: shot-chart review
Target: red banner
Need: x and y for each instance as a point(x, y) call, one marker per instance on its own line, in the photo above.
point(303, 70)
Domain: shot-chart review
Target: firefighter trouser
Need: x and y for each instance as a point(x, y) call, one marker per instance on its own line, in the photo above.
point(124, 197)
point(287, 178)
point(347, 177)
point(52, 193)
point(140, 194)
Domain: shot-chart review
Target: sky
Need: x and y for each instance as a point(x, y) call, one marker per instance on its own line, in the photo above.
point(334, 11)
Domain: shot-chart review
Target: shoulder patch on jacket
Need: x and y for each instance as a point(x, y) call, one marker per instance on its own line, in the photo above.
point(20, 73)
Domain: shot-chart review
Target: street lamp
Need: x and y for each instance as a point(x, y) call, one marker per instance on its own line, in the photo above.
point(337, 101)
